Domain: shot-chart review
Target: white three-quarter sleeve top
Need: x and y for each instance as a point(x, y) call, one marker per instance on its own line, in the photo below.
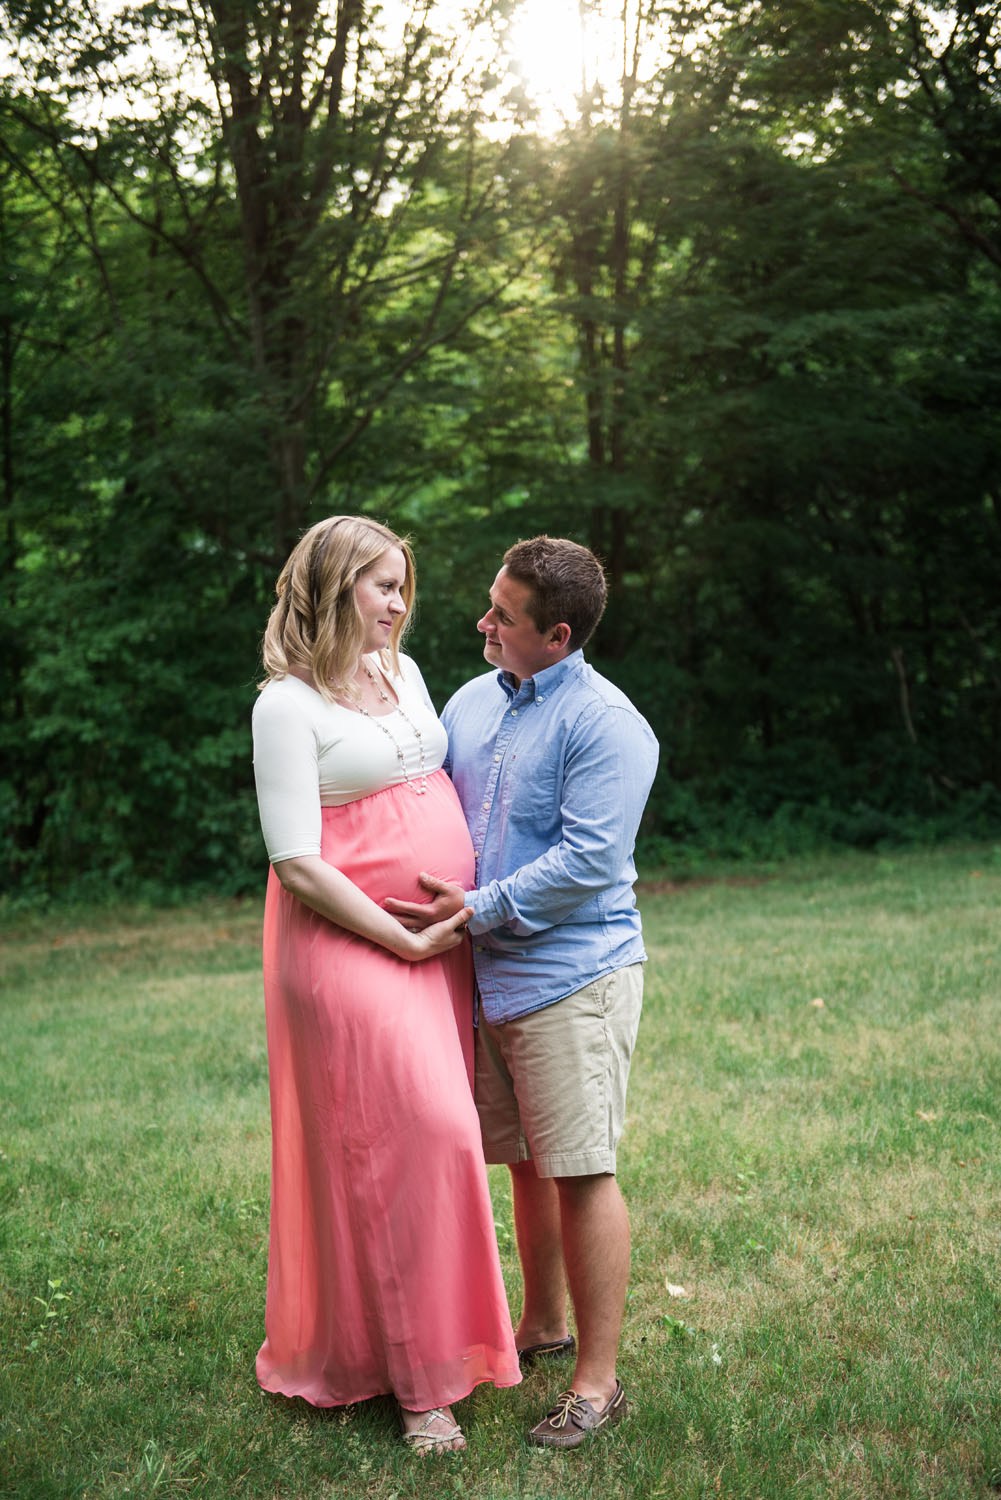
point(309, 754)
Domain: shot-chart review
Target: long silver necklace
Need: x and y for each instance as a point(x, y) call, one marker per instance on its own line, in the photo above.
point(380, 721)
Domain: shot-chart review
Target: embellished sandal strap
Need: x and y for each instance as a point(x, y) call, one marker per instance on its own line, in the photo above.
point(422, 1437)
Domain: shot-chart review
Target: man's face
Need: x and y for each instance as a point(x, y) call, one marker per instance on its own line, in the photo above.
point(513, 643)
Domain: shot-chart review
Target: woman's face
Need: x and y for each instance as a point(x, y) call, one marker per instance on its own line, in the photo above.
point(379, 598)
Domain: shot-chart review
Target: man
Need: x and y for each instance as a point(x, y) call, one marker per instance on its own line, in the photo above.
point(553, 766)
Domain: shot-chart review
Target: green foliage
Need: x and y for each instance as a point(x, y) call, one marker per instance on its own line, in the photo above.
point(777, 343)
point(738, 330)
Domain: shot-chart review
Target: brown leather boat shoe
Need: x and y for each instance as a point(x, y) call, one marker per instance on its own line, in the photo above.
point(556, 1349)
point(573, 1418)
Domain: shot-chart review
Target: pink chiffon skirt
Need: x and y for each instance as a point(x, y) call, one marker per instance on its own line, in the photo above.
point(383, 1273)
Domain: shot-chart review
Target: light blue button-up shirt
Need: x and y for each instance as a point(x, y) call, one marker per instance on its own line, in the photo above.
point(553, 777)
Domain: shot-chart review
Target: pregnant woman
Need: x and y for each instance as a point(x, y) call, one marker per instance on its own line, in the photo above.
point(383, 1273)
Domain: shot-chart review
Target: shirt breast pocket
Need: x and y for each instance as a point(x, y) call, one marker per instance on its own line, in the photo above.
point(533, 785)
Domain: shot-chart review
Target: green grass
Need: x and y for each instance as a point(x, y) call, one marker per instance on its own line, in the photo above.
point(821, 1180)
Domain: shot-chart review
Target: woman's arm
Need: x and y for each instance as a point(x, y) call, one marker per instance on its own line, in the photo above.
point(327, 890)
point(287, 775)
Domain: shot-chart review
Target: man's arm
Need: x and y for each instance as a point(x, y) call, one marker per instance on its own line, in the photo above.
point(608, 772)
point(609, 768)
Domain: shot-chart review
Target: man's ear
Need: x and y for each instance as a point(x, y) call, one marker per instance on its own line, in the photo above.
point(560, 635)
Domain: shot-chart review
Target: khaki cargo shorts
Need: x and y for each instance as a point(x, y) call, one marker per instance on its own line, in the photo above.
point(551, 1086)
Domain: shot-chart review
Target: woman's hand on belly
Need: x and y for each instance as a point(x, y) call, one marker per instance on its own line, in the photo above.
point(328, 891)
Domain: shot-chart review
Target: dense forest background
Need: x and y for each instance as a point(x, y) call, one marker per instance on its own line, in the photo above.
point(736, 324)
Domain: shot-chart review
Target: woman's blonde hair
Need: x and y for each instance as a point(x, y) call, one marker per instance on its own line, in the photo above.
point(315, 623)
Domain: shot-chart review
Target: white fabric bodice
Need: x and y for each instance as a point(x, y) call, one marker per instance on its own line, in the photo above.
point(309, 754)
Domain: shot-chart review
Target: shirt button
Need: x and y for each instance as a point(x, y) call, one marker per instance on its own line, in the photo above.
point(496, 759)
point(486, 807)
point(514, 713)
point(541, 698)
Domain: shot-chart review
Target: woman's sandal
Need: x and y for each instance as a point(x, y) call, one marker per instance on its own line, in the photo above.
point(423, 1441)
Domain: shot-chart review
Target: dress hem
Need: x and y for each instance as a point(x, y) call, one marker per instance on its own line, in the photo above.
point(373, 1395)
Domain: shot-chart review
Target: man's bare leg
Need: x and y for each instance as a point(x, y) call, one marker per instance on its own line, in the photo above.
point(538, 1228)
point(595, 1237)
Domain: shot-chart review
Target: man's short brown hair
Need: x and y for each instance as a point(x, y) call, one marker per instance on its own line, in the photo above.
point(567, 584)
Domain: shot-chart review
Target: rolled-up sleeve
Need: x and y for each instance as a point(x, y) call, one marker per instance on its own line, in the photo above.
point(610, 760)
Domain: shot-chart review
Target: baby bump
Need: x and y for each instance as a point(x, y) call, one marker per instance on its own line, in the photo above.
point(382, 842)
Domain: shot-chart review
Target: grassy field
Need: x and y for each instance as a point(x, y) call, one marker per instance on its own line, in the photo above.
point(811, 1161)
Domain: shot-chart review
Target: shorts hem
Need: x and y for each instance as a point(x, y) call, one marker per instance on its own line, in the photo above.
point(581, 1164)
point(505, 1156)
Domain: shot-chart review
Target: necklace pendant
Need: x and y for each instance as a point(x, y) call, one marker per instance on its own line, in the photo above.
point(419, 790)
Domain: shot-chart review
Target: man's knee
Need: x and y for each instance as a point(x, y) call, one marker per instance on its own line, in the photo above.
point(588, 1185)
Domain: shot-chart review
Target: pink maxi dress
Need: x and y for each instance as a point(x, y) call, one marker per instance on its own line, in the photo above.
point(383, 1272)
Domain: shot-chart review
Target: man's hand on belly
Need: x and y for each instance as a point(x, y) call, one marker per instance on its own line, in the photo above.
point(447, 899)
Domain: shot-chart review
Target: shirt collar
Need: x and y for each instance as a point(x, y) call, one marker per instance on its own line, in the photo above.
point(543, 682)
